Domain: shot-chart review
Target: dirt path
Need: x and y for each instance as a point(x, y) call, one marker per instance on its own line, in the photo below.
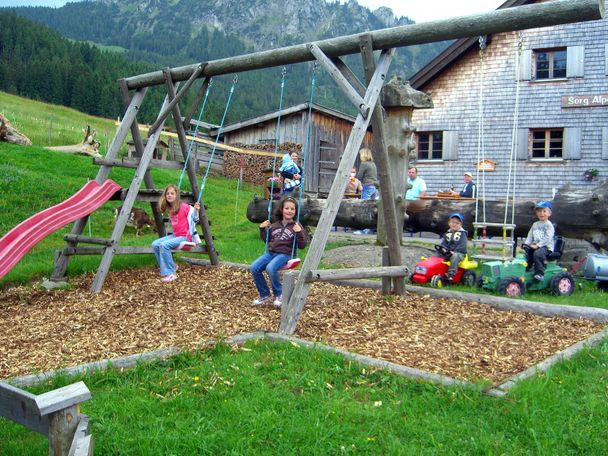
point(43, 330)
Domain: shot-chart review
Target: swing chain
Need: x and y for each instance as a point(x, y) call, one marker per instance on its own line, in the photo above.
point(520, 41)
point(283, 71)
point(236, 79)
point(483, 43)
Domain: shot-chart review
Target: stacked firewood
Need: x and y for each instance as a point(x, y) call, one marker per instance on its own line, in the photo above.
point(256, 168)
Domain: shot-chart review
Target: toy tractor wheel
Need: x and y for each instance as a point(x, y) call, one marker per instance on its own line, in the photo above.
point(602, 285)
point(480, 281)
point(511, 286)
point(469, 278)
point(562, 284)
point(437, 281)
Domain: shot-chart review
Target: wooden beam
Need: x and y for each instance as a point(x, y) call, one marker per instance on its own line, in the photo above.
point(163, 115)
point(183, 142)
point(20, 406)
point(87, 240)
point(219, 145)
point(197, 101)
point(387, 192)
point(139, 147)
point(121, 220)
point(319, 240)
point(536, 15)
point(338, 77)
point(128, 250)
point(61, 261)
point(126, 163)
point(330, 275)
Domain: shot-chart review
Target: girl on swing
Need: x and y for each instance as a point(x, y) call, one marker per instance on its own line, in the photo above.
point(281, 236)
point(183, 218)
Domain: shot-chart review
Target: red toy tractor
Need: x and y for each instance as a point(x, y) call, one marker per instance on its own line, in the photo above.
point(435, 269)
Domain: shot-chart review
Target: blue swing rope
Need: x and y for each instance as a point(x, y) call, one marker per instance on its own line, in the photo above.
point(305, 149)
point(217, 138)
point(276, 148)
point(198, 122)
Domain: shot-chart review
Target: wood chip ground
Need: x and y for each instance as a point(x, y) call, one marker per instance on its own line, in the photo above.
point(135, 312)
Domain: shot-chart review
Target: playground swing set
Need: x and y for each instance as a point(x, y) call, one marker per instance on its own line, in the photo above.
point(365, 97)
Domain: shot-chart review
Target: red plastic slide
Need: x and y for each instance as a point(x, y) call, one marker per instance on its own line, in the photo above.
point(20, 240)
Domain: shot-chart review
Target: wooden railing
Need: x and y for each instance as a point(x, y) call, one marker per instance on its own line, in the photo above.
point(55, 414)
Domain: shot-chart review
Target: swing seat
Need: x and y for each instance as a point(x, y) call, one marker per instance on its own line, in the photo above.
point(186, 246)
point(291, 264)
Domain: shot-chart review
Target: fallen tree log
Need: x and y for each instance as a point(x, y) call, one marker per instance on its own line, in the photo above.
point(11, 135)
point(88, 146)
point(577, 214)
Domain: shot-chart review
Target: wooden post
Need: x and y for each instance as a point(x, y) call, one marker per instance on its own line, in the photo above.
point(387, 218)
point(61, 261)
point(289, 281)
point(400, 100)
point(196, 103)
point(386, 281)
point(502, 20)
point(313, 258)
point(62, 426)
point(121, 221)
point(139, 147)
point(183, 142)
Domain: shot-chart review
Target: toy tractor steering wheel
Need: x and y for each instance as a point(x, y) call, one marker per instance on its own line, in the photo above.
point(441, 250)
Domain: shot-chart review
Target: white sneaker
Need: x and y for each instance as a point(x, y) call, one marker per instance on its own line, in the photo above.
point(259, 300)
point(277, 301)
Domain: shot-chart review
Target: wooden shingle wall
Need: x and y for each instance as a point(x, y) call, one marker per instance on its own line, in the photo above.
point(456, 99)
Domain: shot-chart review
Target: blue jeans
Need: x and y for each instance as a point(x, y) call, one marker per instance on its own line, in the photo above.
point(368, 192)
point(271, 263)
point(162, 251)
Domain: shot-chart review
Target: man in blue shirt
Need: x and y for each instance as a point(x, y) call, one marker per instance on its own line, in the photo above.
point(469, 190)
point(417, 184)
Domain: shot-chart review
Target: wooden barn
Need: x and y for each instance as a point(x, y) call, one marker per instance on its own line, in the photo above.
point(560, 89)
point(329, 132)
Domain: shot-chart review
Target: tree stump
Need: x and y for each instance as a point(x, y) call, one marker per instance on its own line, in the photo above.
point(11, 135)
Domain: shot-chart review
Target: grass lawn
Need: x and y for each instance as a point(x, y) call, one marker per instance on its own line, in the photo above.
point(282, 399)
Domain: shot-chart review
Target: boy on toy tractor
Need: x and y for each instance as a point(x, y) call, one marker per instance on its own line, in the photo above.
point(452, 264)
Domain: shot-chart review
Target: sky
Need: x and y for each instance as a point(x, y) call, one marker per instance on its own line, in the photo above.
point(418, 10)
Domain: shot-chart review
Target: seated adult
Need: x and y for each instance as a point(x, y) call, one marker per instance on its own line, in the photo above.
point(418, 186)
point(469, 190)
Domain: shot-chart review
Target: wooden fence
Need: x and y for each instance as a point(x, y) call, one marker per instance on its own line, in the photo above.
point(55, 414)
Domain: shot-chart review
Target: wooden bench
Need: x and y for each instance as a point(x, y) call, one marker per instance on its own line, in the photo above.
point(55, 414)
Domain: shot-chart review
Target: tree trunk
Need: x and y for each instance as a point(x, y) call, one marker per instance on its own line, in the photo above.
point(10, 135)
point(88, 146)
point(577, 214)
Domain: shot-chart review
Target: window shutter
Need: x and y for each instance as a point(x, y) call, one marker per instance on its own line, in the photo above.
point(605, 143)
point(522, 152)
point(525, 65)
point(450, 145)
point(572, 143)
point(575, 61)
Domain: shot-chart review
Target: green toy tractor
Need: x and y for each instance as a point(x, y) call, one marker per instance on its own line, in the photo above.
point(511, 278)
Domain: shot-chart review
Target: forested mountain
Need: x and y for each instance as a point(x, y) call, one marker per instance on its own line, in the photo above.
point(178, 32)
point(38, 63)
